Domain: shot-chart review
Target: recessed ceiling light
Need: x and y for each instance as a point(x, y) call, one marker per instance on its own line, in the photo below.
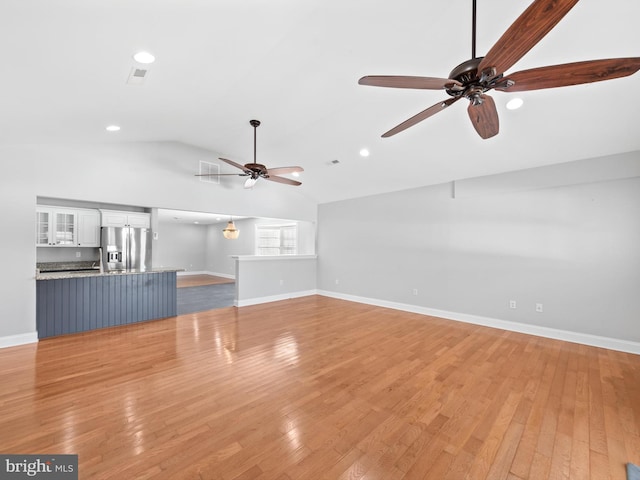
point(113, 128)
point(514, 103)
point(364, 152)
point(295, 174)
point(196, 222)
point(144, 57)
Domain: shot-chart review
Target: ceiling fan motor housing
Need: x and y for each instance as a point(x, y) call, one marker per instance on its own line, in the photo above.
point(257, 169)
point(474, 85)
point(467, 71)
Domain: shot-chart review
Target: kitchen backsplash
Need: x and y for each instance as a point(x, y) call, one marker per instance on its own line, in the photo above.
point(57, 254)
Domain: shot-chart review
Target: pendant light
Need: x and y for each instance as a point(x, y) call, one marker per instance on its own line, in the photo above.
point(231, 232)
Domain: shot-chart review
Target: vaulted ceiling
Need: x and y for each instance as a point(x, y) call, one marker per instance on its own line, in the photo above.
point(295, 65)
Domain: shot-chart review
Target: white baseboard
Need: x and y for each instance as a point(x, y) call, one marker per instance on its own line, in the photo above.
point(184, 273)
point(568, 336)
point(204, 272)
point(20, 339)
point(273, 298)
point(547, 332)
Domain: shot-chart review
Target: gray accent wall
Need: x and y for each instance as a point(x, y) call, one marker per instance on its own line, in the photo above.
point(71, 305)
point(573, 248)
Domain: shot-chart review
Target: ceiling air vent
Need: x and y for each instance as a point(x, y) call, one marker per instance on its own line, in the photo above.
point(137, 76)
point(209, 168)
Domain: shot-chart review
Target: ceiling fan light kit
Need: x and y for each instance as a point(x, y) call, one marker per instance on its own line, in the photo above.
point(255, 170)
point(473, 78)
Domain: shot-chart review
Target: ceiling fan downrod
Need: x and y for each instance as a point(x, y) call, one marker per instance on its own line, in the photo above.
point(473, 29)
point(255, 124)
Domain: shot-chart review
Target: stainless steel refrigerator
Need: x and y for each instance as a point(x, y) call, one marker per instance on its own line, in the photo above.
point(126, 249)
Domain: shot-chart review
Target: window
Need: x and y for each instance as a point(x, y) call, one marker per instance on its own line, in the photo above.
point(277, 239)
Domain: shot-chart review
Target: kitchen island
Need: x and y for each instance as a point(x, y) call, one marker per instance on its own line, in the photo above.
point(71, 302)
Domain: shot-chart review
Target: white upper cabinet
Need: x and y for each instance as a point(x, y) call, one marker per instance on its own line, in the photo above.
point(80, 227)
point(88, 228)
point(56, 226)
point(139, 220)
point(112, 218)
point(67, 227)
point(44, 226)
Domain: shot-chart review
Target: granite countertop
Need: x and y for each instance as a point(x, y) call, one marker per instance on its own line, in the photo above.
point(58, 270)
point(68, 266)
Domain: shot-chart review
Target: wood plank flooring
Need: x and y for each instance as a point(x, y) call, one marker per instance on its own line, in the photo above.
point(319, 388)
point(201, 280)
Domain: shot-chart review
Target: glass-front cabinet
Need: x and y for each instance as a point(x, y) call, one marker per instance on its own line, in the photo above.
point(55, 227)
point(66, 227)
point(43, 226)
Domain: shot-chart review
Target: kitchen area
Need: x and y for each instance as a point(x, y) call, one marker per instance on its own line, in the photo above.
point(94, 270)
point(78, 175)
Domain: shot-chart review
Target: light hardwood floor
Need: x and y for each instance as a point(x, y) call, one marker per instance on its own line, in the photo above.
point(200, 280)
point(319, 388)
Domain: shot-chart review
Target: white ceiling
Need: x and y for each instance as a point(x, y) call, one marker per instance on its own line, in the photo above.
point(200, 218)
point(294, 65)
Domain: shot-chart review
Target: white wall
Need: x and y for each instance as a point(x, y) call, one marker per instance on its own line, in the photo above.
point(139, 174)
point(261, 279)
point(180, 246)
point(159, 175)
point(573, 248)
point(203, 248)
point(18, 200)
point(220, 250)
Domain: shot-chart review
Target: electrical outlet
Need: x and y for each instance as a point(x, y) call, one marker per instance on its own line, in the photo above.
point(512, 304)
point(415, 291)
point(78, 254)
point(337, 281)
point(281, 282)
point(539, 307)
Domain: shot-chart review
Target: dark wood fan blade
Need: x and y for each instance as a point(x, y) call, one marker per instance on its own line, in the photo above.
point(237, 165)
point(284, 170)
point(572, 74)
point(484, 117)
point(528, 29)
point(288, 181)
point(426, 83)
point(438, 107)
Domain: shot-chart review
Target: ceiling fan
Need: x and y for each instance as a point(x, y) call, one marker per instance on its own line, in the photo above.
point(255, 170)
point(473, 78)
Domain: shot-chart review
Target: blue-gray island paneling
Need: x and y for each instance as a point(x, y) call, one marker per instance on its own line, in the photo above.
point(77, 304)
